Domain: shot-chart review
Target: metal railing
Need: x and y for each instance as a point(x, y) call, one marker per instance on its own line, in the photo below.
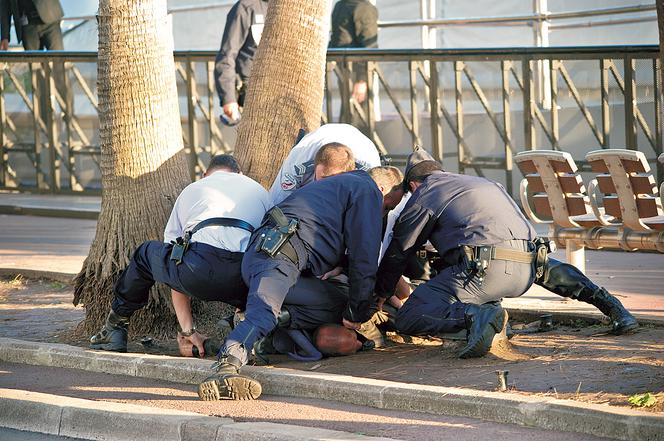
point(473, 109)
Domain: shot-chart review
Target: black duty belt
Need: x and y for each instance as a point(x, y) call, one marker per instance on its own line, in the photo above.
point(480, 257)
point(181, 244)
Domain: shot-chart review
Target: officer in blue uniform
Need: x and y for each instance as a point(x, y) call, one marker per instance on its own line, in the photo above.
point(488, 251)
point(312, 231)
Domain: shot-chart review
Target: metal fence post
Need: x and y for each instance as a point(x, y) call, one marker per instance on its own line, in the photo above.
point(606, 116)
point(35, 75)
point(414, 112)
point(436, 129)
point(4, 160)
point(555, 130)
point(505, 67)
point(630, 95)
point(191, 120)
point(51, 130)
point(529, 133)
point(458, 95)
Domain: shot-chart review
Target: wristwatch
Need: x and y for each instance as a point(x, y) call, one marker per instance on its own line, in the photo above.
point(188, 333)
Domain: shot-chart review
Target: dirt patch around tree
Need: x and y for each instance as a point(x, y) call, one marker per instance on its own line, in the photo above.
point(573, 361)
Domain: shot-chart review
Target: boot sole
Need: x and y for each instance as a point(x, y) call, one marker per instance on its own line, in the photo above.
point(481, 346)
point(108, 347)
point(230, 387)
point(628, 328)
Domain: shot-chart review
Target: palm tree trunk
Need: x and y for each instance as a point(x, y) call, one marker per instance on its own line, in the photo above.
point(143, 164)
point(285, 91)
point(660, 25)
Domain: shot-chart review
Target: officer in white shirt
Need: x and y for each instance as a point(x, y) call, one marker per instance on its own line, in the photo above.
point(201, 256)
point(299, 169)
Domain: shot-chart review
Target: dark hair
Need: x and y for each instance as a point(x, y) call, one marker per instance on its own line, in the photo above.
point(420, 172)
point(224, 161)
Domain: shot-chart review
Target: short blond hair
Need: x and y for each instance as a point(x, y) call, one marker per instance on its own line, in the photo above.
point(387, 177)
point(335, 158)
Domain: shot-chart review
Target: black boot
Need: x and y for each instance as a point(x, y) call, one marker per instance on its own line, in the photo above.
point(622, 322)
point(483, 322)
point(227, 383)
point(567, 281)
point(113, 336)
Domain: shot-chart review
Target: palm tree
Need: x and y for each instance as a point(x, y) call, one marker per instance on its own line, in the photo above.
point(143, 164)
point(660, 23)
point(285, 90)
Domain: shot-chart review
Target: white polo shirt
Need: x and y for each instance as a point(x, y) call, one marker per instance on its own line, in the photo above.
point(221, 194)
point(298, 168)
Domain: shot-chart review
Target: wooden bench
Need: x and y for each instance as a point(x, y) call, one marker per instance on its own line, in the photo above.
point(628, 187)
point(553, 183)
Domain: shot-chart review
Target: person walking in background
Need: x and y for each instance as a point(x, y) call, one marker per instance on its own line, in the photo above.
point(37, 23)
point(244, 26)
point(354, 25)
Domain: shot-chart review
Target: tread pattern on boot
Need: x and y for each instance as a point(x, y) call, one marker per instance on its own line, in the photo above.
point(229, 387)
point(482, 345)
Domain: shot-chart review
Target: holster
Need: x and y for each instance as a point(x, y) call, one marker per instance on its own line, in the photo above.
point(276, 239)
point(543, 246)
point(180, 246)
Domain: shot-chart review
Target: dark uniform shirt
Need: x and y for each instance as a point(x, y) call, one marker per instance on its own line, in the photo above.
point(238, 46)
point(336, 214)
point(451, 210)
point(354, 24)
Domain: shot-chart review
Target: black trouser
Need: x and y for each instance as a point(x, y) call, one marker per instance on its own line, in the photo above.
point(206, 273)
point(438, 305)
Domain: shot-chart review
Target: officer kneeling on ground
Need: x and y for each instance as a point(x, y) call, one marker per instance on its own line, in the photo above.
point(201, 256)
point(489, 250)
point(309, 232)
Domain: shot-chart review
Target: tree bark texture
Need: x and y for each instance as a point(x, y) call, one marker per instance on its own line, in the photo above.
point(660, 25)
point(285, 91)
point(143, 164)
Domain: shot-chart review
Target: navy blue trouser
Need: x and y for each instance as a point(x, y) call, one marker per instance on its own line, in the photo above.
point(206, 273)
point(269, 280)
point(312, 302)
point(438, 305)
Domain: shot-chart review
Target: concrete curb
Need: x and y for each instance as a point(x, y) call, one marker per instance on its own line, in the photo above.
point(86, 419)
point(540, 412)
point(25, 210)
point(38, 274)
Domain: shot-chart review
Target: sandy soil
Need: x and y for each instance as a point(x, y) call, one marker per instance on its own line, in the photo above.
point(573, 361)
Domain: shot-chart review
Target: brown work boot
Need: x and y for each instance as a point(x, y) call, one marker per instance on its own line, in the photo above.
point(227, 383)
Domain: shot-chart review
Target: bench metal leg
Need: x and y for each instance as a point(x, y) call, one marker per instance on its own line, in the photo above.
point(576, 255)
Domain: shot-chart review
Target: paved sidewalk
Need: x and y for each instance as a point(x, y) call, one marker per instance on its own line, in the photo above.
point(67, 206)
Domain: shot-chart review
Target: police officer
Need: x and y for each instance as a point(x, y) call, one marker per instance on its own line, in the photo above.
point(204, 241)
point(489, 252)
point(244, 27)
point(309, 232)
point(299, 166)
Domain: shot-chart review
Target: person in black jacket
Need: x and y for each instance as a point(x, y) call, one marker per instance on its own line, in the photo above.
point(337, 218)
point(488, 251)
point(244, 26)
point(37, 23)
point(354, 25)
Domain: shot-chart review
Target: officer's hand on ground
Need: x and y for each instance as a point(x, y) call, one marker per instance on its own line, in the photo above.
point(4, 44)
point(360, 91)
point(351, 325)
point(186, 344)
point(332, 273)
point(232, 111)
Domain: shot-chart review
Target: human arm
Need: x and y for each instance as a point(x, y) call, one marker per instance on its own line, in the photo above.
point(362, 234)
point(411, 230)
point(5, 23)
point(236, 31)
point(182, 306)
